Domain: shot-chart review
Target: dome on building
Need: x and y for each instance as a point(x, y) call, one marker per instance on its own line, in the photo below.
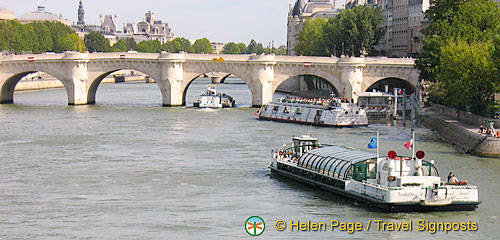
point(314, 6)
point(41, 15)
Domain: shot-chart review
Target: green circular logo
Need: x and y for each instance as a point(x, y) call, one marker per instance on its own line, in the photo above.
point(255, 226)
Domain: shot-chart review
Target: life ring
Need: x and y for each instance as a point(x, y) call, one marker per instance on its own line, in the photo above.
point(391, 178)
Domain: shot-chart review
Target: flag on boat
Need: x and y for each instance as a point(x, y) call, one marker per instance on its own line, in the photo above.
point(409, 144)
point(373, 143)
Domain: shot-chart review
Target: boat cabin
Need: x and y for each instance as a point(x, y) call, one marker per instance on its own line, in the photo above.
point(345, 164)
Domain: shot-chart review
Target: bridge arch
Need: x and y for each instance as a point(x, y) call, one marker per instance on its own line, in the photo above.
point(391, 82)
point(97, 78)
point(9, 85)
point(332, 79)
point(226, 75)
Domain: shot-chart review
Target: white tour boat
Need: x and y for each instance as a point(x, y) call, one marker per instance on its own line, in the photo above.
point(393, 183)
point(320, 112)
point(213, 99)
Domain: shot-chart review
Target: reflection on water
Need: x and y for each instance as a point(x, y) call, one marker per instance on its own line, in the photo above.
point(128, 167)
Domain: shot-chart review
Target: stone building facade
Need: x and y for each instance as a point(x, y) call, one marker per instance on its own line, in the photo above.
point(6, 14)
point(148, 29)
point(403, 22)
point(300, 11)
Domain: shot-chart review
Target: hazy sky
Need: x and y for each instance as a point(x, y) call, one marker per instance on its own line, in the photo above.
point(218, 20)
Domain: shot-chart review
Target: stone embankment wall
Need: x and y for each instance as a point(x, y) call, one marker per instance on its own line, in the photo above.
point(465, 139)
point(465, 116)
point(46, 84)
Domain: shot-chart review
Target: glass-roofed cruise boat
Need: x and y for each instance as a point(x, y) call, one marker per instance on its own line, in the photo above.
point(393, 183)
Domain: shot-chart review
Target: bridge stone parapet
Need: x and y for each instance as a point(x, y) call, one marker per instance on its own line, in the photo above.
point(82, 73)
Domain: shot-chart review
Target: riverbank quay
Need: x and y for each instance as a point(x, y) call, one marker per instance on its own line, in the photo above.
point(29, 85)
point(461, 133)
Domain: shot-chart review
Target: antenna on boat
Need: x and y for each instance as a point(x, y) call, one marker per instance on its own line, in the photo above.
point(378, 146)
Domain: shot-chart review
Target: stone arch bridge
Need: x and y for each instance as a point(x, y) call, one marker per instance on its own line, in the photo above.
point(81, 73)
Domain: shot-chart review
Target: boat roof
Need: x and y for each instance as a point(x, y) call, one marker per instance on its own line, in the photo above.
point(374, 94)
point(342, 153)
point(305, 138)
point(334, 161)
point(297, 105)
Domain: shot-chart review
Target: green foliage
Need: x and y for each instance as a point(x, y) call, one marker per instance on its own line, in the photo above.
point(43, 34)
point(131, 44)
point(180, 44)
point(468, 75)
point(58, 31)
point(460, 51)
point(243, 48)
point(232, 48)
point(72, 43)
point(202, 45)
point(36, 37)
point(96, 42)
point(255, 47)
point(469, 20)
point(311, 38)
point(358, 30)
point(120, 46)
point(153, 46)
point(173, 46)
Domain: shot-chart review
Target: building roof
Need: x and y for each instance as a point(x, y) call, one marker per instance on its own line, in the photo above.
point(309, 8)
point(40, 15)
point(299, 5)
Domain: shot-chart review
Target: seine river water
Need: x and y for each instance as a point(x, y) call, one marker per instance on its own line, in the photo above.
point(128, 168)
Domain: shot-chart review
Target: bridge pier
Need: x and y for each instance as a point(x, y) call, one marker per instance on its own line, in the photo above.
point(76, 84)
point(352, 77)
point(172, 77)
point(263, 77)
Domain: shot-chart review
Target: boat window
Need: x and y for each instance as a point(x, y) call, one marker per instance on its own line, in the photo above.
point(265, 108)
point(298, 111)
point(357, 112)
point(275, 109)
point(287, 110)
point(346, 113)
point(320, 112)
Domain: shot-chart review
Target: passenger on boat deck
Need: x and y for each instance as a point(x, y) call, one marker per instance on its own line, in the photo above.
point(449, 176)
point(453, 179)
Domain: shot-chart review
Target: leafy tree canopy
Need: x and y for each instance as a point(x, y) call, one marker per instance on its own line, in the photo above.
point(202, 45)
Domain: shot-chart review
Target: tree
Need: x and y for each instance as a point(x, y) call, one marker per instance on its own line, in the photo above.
point(131, 44)
point(311, 38)
point(173, 46)
point(72, 42)
point(243, 48)
point(467, 75)
point(120, 46)
point(43, 36)
point(354, 31)
point(185, 44)
point(202, 45)
point(96, 42)
point(469, 20)
point(231, 48)
point(58, 31)
point(153, 46)
point(462, 31)
point(255, 47)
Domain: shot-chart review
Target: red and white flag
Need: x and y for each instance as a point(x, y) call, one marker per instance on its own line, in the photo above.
point(409, 144)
